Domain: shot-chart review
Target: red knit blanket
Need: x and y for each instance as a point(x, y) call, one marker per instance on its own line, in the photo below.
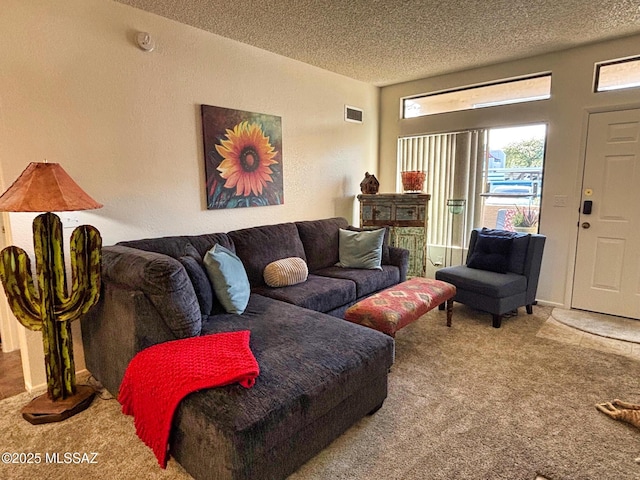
point(159, 377)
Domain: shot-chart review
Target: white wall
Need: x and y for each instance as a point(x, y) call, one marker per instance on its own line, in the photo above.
point(566, 113)
point(125, 124)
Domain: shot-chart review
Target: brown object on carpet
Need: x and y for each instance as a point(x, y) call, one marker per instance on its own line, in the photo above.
point(627, 412)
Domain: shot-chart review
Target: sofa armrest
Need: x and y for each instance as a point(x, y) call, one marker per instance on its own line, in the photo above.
point(400, 258)
point(146, 298)
point(162, 280)
point(122, 324)
point(532, 265)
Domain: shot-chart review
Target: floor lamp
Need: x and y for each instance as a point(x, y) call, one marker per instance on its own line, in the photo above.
point(48, 306)
point(456, 207)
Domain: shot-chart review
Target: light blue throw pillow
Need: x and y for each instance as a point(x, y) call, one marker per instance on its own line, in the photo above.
point(361, 249)
point(228, 277)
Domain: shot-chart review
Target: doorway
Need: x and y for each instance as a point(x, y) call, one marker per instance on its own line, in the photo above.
point(11, 373)
point(8, 326)
point(607, 270)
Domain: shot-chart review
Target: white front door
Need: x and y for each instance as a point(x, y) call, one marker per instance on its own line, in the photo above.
point(607, 271)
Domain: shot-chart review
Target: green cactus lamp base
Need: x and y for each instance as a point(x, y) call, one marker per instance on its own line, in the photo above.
point(44, 410)
point(50, 304)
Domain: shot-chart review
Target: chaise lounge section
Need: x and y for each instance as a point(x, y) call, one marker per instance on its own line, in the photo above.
point(319, 374)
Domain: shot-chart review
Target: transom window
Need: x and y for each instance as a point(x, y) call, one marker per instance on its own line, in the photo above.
point(503, 92)
point(618, 75)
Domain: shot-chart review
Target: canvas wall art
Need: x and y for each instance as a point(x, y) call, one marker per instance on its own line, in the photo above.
point(243, 158)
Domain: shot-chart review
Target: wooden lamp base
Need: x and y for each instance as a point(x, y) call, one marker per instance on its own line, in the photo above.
point(44, 410)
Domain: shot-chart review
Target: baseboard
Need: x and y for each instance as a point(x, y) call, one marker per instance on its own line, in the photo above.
point(546, 303)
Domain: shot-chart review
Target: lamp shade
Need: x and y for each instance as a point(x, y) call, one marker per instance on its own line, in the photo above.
point(45, 187)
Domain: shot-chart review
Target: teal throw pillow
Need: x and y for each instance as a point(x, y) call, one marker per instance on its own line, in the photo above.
point(228, 277)
point(361, 249)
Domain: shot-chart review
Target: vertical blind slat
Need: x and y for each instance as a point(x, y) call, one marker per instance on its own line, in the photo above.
point(436, 155)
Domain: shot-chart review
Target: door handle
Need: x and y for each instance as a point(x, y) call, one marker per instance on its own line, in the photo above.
point(585, 225)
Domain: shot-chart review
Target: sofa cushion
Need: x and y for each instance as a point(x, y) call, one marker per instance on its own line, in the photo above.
point(321, 294)
point(228, 277)
point(285, 272)
point(320, 241)
point(491, 253)
point(200, 281)
point(483, 282)
point(257, 247)
point(360, 249)
point(367, 281)
point(176, 246)
point(386, 257)
point(518, 253)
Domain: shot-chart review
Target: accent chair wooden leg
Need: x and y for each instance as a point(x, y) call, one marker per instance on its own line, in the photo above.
point(497, 321)
point(529, 309)
point(449, 311)
point(441, 306)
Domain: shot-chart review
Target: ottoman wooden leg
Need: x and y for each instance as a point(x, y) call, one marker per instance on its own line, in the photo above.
point(449, 311)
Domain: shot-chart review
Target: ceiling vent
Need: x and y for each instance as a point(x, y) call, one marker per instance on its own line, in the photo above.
point(352, 114)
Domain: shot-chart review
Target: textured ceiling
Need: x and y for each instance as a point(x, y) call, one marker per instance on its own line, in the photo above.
point(383, 42)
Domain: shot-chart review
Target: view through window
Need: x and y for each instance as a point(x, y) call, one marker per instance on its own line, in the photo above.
point(513, 178)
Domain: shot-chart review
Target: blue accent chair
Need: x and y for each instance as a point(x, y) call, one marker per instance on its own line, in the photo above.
point(494, 292)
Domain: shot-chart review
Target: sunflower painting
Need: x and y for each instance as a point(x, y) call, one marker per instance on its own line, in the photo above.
point(243, 158)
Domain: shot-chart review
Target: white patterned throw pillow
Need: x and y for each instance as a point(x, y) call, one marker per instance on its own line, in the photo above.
point(285, 272)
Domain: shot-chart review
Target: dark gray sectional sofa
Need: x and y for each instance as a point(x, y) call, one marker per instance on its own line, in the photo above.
point(318, 373)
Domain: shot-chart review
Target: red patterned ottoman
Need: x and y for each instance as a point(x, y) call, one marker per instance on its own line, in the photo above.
point(396, 307)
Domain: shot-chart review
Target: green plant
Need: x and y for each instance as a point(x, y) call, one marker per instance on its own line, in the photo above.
point(47, 306)
point(525, 217)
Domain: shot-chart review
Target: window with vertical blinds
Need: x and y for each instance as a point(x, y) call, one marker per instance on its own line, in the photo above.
point(453, 163)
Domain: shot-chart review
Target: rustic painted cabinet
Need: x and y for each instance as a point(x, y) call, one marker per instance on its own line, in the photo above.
point(406, 214)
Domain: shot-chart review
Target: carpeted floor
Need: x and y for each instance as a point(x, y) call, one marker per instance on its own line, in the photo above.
point(466, 402)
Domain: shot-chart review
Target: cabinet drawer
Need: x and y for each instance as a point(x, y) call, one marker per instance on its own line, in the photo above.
point(367, 213)
point(407, 212)
point(376, 214)
point(381, 212)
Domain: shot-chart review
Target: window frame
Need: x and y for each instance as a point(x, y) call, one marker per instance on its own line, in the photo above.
point(598, 68)
point(505, 81)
